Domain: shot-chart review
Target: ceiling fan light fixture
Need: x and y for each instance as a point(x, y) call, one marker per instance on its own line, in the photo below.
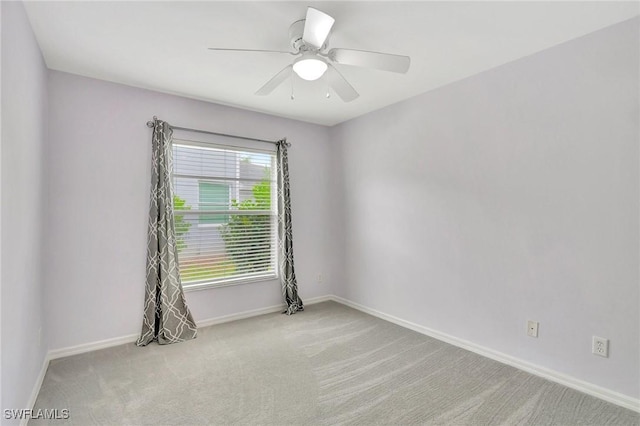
point(309, 67)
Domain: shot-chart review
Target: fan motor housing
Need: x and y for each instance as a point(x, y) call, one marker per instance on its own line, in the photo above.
point(295, 35)
point(296, 31)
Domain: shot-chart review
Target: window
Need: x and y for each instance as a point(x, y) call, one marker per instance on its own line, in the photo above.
point(225, 213)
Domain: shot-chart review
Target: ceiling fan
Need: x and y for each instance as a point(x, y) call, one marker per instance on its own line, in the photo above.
point(309, 43)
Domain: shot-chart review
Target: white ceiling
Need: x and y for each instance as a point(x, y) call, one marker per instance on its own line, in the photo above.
point(163, 45)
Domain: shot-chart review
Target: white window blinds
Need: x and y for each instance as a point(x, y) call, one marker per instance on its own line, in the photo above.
point(225, 213)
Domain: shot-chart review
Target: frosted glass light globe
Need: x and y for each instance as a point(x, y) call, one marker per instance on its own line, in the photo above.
point(309, 67)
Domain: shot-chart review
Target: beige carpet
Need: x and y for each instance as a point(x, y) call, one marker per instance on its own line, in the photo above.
point(327, 365)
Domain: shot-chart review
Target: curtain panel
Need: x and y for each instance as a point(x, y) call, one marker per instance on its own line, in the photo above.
point(287, 271)
point(167, 318)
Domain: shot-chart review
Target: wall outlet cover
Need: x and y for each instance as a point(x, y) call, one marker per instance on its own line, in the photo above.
point(600, 346)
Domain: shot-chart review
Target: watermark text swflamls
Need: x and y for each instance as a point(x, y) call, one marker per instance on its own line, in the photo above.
point(40, 413)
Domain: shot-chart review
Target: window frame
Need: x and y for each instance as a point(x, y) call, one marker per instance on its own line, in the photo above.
point(273, 213)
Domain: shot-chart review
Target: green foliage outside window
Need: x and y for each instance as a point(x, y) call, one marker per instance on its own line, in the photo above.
point(181, 226)
point(246, 236)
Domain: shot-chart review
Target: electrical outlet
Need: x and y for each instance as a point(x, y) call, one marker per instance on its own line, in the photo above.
point(600, 346)
point(532, 328)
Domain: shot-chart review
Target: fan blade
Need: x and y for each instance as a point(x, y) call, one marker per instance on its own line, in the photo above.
point(275, 81)
point(377, 60)
point(340, 85)
point(250, 50)
point(317, 27)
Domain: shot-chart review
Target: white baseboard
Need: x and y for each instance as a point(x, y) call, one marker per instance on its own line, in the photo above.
point(257, 312)
point(117, 341)
point(239, 316)
point(554, 376)
point(319, 299)
point(36, 387)
point(92, 346)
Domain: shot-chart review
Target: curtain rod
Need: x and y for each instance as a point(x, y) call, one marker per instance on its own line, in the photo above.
point(188, 129)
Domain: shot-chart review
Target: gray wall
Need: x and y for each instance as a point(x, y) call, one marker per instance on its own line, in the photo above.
point(98, 193)
point(508, 196)
point(24, 133)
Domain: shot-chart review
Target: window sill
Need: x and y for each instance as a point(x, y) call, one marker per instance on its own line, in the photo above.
point(205, 285)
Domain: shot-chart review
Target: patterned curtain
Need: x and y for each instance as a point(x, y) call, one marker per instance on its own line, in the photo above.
point(166, 316)
point(287, 272)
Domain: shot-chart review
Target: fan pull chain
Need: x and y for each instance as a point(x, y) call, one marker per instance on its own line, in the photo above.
point(293, 97)
point(328, 95)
